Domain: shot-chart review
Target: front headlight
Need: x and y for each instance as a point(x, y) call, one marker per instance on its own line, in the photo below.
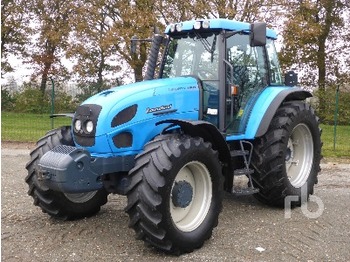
point(89, 126)
point(77, 125)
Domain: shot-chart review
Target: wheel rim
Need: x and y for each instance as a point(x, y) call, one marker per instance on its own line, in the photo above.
point(299, 155)
point(80, 197)
point(192, 213)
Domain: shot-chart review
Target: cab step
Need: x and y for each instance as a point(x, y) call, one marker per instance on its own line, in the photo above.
point(235, 153)
point(244, 191)
point(243, 171)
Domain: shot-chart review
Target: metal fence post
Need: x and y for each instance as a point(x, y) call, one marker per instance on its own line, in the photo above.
point(52, 102)
point(336, 116)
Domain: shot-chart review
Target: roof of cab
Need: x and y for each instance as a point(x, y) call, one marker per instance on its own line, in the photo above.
point(225, 24)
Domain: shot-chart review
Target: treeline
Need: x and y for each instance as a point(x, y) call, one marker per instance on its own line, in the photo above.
point(94, 35)
point(32, 100)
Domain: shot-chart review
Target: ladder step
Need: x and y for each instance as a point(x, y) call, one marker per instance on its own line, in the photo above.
point(244, 191)
point(243, 171)
point(235, 153)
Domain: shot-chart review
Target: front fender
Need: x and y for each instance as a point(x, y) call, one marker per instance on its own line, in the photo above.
point(207, 131)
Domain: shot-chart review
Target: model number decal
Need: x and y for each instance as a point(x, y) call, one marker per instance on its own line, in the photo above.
point(158, 108)
point(181, 88)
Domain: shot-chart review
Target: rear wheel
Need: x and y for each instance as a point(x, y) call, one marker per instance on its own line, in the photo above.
point(57, 204)
point(175, 195)
point(287, 158)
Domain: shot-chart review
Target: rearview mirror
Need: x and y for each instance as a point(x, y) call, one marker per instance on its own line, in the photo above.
point(258, 34)
point(133, 45)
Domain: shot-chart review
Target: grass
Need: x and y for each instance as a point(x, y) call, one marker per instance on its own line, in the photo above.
point(342, 146)
point(30, 127)
point(23, 127)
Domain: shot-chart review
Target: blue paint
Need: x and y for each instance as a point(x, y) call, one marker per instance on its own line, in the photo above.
point(180, 95)
point(260, 107)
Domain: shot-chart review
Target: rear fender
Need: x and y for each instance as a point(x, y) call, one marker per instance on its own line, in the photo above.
point(263, 109)
point(283, 96)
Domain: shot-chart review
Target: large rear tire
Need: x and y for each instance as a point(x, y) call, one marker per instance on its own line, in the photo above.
point(287, 158)
point(57, 204)
point(175, 195)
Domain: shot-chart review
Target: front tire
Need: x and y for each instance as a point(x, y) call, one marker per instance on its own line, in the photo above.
point(60, 205)
point(175, 195)
point(287, 158)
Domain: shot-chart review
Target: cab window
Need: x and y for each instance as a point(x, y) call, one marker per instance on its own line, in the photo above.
point(275, 71)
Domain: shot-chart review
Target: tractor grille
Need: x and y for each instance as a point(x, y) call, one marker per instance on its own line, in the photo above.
point(54, 157)
point(87, 112)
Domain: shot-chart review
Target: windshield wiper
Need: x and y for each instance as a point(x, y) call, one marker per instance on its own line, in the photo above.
point(204, 42)
point(232, 33)
point(213, 47)
point(210, 48)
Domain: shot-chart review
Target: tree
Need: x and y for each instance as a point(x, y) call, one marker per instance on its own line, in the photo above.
point(14, 30)
point(132, 18)
point(52, 26)
point(180, 10)
point(90, 46)
point(314, 39)
point(102, 36)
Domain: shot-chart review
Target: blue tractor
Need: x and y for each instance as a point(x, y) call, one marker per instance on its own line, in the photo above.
point(215, 107)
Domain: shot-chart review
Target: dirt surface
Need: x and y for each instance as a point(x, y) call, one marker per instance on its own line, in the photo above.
point(247, 230)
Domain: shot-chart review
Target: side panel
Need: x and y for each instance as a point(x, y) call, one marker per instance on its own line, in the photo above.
point(265, 108)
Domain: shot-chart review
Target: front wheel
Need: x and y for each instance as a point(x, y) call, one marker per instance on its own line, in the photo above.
point(287, 158)
point(175, 195)
point(57, 204)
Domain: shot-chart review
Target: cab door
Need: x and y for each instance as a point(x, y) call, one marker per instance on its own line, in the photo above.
point(247, 75)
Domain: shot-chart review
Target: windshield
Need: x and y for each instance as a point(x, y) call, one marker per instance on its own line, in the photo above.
point(193, 55)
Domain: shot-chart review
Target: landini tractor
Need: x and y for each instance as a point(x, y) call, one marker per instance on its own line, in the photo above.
point(218, 108)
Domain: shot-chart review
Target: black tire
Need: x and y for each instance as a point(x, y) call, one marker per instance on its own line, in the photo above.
point(287, 158)
point(57, 204)
point(154, 199)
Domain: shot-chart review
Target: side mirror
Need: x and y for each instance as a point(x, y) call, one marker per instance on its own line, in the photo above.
point(133, 45)
point(258, 34)
point(291, 78)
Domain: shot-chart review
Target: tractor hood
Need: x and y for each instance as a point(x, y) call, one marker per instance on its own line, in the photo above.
point(124, 118)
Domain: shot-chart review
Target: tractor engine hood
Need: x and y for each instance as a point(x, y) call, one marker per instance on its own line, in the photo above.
point(123, 119)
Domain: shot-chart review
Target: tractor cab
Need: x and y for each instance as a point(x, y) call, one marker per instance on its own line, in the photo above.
point(232, 61)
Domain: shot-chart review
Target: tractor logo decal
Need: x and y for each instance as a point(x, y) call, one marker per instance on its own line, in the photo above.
point(158, 108)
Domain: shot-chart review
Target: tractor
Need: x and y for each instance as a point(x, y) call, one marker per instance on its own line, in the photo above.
point(214, 106)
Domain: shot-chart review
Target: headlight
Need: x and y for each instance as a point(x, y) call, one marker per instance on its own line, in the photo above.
point(197, 25)
point(89, 126)
point(201, 24)
point(172, 28)
point(178, 27)
point(206, 24)
point(77, 125)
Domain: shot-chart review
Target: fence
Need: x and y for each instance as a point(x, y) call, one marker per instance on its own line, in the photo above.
point(335, 121)
point(23, 126)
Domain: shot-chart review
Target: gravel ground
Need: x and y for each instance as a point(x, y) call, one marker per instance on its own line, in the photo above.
point(247, 230)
